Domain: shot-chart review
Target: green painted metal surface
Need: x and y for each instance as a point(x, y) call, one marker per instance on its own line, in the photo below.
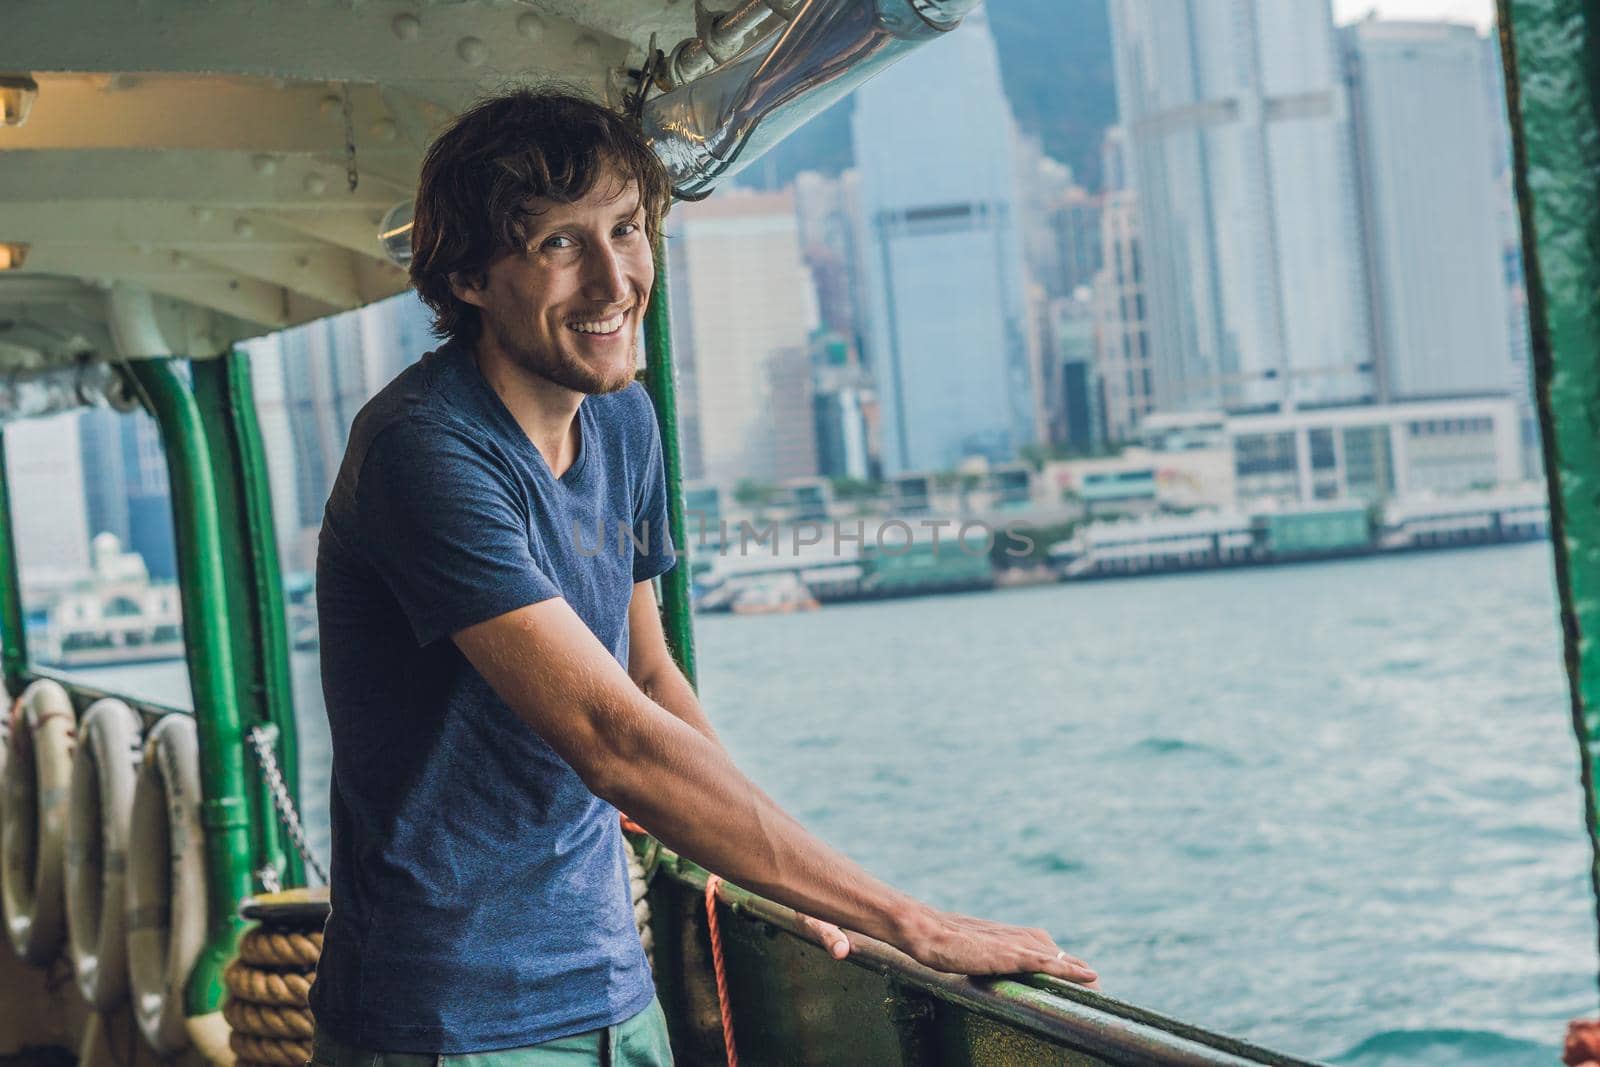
point(13, 636)
point(1552, 57)
point(794, 1004)
point(660, 378)
point(259, 638)
point(225, 810)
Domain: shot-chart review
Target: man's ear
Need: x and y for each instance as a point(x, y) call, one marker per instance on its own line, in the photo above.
point(468, 287)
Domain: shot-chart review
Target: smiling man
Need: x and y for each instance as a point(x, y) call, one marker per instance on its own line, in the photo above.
point(496, 689)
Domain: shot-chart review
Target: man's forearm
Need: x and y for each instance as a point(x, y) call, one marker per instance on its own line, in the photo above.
point(672, 690)
point(681, 786)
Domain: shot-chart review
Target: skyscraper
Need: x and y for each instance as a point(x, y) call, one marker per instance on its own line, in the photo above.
point(743, 309)
point(1122, 335)
point(1236, 118)
point(44, 474)
point(311, 381)
point(1428, 151)
point(948, 332)
point(125, 485)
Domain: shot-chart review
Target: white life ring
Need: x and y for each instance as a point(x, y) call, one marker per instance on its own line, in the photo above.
point(33, 829)
point(103, 773)
point(167, 910)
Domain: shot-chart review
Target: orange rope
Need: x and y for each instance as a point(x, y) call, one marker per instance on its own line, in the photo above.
point(712, 881)
point(632, 827)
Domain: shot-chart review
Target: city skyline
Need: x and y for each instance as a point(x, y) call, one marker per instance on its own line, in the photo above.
point(991, 307)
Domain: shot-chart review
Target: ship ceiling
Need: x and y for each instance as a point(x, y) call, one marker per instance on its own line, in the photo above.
point(205, 153)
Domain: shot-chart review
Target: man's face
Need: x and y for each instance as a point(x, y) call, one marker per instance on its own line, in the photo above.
point(568, 307)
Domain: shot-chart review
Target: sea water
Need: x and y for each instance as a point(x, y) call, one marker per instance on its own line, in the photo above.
point(1332, 808)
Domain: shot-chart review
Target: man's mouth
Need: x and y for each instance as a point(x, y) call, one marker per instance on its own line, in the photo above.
point(602, 327)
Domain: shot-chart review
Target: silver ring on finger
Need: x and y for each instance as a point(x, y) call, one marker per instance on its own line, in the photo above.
point(1061, 955)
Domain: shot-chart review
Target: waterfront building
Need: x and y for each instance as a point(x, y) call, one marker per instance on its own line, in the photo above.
point(1236, 118)
point(1428, 155)
point(1123, 361)
point(1375, 452)
point(947, 342)
point(1141, 480)
point(743, 312)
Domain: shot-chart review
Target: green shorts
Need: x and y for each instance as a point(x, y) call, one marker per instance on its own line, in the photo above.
point(637, 1042)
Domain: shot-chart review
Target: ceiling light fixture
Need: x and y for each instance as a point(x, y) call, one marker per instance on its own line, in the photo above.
point(12, 253)
point(17, 94)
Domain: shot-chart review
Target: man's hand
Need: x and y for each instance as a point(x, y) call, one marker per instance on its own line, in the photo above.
point(960, 944)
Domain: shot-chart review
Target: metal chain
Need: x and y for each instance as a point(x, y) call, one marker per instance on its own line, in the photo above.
point(263, 740)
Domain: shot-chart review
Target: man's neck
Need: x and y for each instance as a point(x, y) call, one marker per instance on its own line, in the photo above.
point(547, 412)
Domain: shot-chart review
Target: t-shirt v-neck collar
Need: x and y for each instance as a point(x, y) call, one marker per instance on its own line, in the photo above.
point(512, 428)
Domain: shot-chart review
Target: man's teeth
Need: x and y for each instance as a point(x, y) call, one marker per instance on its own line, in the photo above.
point(611, 325)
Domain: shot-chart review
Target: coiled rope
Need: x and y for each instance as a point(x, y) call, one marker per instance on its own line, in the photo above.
point(267, 1005)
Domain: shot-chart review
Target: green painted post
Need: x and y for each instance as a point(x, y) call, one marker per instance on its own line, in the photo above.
point(1552, 56)
point(660, 378)
point(264, 695)
point(13, 637)
point(225, 809)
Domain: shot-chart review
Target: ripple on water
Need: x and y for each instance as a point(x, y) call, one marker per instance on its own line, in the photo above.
point(1459, 1048)
point(1177, 746)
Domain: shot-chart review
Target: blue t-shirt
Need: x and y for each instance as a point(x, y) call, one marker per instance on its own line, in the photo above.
point(480, 890)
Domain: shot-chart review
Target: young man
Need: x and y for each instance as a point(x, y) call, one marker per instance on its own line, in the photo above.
point(496, 689)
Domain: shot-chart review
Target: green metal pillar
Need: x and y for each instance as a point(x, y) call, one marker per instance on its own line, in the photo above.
point(1552, 57)
point(13, 637)
point(660, 378)
point(225, 810)
point(260, 642)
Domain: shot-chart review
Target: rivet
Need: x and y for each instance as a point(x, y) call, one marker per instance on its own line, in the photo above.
point(315, 184)
point(243, 228)
point(406, 27)
point(264, 164)
point(302, 262)
point(472, 51)
point(530, 25)
point(385, 130)
point(331, 103)
point(179, 260)
point(202, 214)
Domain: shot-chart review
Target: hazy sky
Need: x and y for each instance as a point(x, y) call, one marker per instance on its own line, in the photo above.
point(1480, 12)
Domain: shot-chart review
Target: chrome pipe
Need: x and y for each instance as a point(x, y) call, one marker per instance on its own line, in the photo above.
point(714, 126)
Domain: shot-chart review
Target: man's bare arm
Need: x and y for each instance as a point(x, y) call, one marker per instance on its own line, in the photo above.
point(682, 787)
point(651, 666)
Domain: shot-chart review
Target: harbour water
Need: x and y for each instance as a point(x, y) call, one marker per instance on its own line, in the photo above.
point(1333, 808)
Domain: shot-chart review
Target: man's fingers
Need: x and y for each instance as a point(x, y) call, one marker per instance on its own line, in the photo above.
point(827, 935)
point(1071, 968)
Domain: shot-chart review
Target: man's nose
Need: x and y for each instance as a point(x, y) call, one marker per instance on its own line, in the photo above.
point(604, 278)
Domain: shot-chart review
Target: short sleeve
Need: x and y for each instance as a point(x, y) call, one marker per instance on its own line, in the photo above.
point(445, 528)
point(653, 553)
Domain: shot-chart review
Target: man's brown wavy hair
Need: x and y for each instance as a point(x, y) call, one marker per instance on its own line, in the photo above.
point(482, 173)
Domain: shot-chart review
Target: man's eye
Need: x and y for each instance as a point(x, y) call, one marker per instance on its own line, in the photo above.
point(558, 241)
point(627, 229)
